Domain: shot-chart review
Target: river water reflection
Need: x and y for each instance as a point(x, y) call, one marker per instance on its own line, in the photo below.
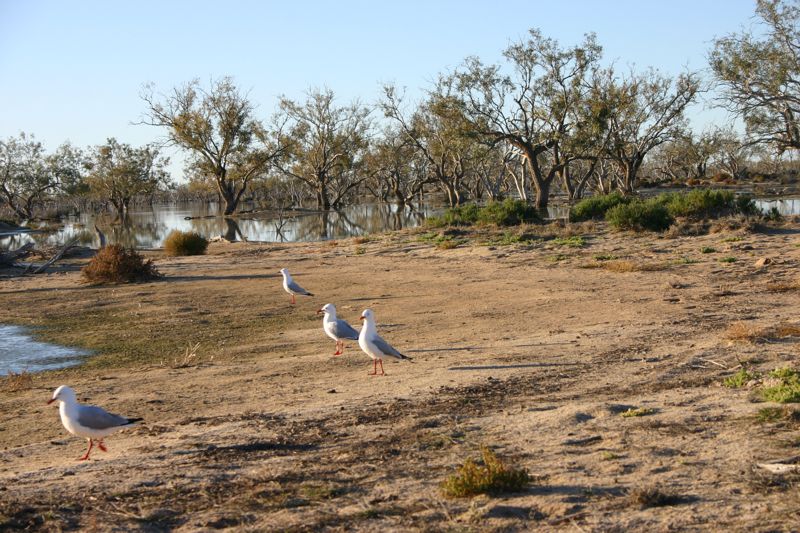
point(147, 228)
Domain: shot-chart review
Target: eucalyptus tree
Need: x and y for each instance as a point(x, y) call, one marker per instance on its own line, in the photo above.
point(325, 145)
point(395, 168)
point(686, 156)
point(644, 111)
point(118, 172)
point(28, 174)
point(218, 129)
point(439, 134)
point(760, 75)
point(534, 107)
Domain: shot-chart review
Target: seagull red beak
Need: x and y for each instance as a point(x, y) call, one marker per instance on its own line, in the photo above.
point(51, 400)
point(320, 311)
point(362, 317)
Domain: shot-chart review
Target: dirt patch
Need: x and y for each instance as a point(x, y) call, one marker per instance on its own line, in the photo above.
point(250, 424)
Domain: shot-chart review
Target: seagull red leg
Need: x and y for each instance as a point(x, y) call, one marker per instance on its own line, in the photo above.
point(85, 457)
point(374, 368)
point(381, 363)
point(293, 301)
point(101, 445)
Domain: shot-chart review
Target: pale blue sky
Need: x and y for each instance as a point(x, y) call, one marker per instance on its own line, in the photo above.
point(72, 70)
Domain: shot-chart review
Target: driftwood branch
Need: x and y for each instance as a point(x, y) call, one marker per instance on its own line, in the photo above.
point(56, 257)
point(8, 258)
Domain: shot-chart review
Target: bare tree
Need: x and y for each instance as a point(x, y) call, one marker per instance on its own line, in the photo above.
point(217, 127)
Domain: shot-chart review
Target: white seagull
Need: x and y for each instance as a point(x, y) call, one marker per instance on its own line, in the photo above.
point(87, 421)
point(373, 345)
point(291, 287)
point(336, 328)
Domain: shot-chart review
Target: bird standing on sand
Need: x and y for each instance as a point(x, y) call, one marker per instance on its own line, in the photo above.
point(336, 328)
point(87, 421)
point(373, 345)
point(291, 287)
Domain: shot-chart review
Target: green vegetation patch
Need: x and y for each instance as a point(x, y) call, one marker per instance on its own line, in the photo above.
point(739, 379)
point(728, 259)
point(596, 207)
point(787, 388)
point(640, 411)
point(576, 241)
point(509, 212)
point(707, 203)
point(707, 250)
point(491, 477)
point(640, 215)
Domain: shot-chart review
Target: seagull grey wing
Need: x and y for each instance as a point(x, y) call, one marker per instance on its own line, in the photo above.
point(93, 417)
point(294, 287)
point(343, 330)
point(387, 349)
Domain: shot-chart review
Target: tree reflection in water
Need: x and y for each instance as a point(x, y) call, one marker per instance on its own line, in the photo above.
point(148, 228)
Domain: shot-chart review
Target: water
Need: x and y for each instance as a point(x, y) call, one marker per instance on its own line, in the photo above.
point(785, 206)
point(20, 352)
point(147, 228)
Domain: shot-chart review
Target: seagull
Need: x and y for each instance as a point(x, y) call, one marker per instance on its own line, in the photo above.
point(336, 328)
point(291, 287)
point(87, 421)
point(373, 345)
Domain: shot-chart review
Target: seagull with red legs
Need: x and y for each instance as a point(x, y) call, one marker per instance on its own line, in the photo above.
point(336, 328)
point(373, 345)
point(290, 286)
point(87, 421)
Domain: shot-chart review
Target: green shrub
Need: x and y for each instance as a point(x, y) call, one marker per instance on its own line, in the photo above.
point(185, 243)
point(493, 477)
point(509, 212)
point(707, 250)
point(787, 390)
point(596, 207)
point(576, 241)
point(462, 215)
point(117, 264)
point(739, 379)
point(707, 203)
point(640, 215)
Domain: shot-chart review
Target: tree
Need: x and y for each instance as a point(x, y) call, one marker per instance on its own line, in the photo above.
point(28, 174)
point(437, 131)
point(394, 168)
point(760, 77)
point(536, 107)
point(325, 145)
point(217, 127)
point(119, 172)
point(644, 111)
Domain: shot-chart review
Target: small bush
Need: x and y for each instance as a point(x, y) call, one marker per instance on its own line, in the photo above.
point(596, 207)
point(640, 411)
point(509, 212)
point(493, 477)
point(117, 264)
point(576, 241)
point(653, 497)
point(739, 379)
point(787, 388)
point(462, 215)
point(707, 203)
point(727, 259)
point(707, 250)
point(640, 215)
point(185, 243)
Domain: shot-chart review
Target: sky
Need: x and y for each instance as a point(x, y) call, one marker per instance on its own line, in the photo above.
point(73, 70)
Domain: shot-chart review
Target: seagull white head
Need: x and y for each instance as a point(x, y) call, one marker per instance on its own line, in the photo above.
point(284, 271)
point(328, 309)
point(368, 315)
point(63, 394)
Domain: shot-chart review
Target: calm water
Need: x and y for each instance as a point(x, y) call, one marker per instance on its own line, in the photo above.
point(19, 352)
point(147, 228)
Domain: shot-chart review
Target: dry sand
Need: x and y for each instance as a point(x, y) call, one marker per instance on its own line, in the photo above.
point(525, 349)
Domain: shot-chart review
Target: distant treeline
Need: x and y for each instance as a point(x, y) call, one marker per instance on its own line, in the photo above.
point(548, 118)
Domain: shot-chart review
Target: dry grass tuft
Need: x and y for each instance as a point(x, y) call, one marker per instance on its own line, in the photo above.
point(16, 382)
point(783, 286)
point(623, 265)
point(743, 332)
point(189, 357)
point(117, 264)
point(652, 496)
point(363, 239)
point(493, 477)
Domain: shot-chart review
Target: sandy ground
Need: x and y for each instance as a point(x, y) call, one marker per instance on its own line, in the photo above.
point(525, 349)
